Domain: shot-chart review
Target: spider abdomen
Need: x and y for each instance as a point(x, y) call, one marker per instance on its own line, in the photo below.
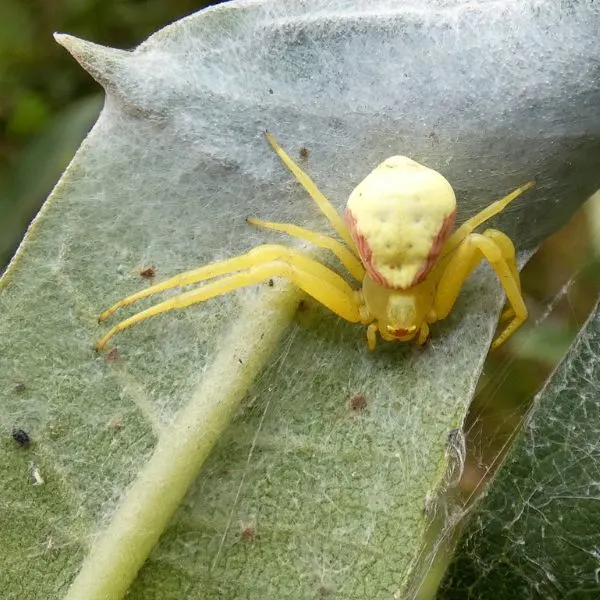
point(399, 216)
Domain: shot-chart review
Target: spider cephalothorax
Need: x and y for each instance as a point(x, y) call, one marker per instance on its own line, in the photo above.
point(397, 244)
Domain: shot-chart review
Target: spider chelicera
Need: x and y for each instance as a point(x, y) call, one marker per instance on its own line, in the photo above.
point(397, 242)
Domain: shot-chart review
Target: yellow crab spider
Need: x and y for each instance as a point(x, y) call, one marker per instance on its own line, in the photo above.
point(396, 242)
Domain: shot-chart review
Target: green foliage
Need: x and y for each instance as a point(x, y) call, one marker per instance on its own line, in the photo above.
point(36, 79)
point(37, 167)
point(46, 103)
point(216, 451)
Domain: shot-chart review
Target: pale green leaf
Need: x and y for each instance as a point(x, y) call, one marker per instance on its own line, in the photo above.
point(302, 496)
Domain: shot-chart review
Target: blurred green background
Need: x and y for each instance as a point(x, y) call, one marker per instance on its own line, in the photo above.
point(47, 102)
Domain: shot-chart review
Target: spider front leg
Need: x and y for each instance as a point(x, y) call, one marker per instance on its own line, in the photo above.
point(508, 251)
point(320, 200)
point(481, 217)
point(260, 264)
point(499, 251)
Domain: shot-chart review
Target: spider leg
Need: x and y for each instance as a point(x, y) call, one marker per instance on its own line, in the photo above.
point(499, 251)
point(260, 264)
point(423, 335)
point(309, 185)
point(508, 251)
point(487, 213)
point(507, 248)
point(372, 336)
point(344, 255)
point(259, 255)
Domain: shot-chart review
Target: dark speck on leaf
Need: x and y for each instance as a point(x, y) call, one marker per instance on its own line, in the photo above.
point(270, 90)
point(113, 355)
point(271, 283)
point(115, 423)
point(358, 402)
point(148, 273)
point(453, 435)
point(434, 138)
point(248, 534)
point(19, 387)
point(304, 153)
point(21, 437)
